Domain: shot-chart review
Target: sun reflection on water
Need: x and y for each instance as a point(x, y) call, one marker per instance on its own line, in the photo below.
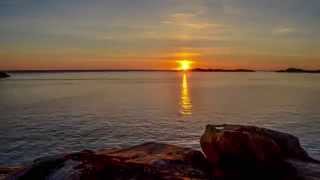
point(185, 100)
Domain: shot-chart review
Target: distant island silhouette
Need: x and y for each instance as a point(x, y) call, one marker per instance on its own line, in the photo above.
point(221, 70)
point(297, 70)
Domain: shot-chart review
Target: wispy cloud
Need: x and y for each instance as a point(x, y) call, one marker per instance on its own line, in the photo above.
point(284, 30)
point(189, 26)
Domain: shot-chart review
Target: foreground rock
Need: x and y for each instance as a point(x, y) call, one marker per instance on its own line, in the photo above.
point(232, 152)
point(5, 171)
point(247, 152)
point(146, 161)
point(4, 75)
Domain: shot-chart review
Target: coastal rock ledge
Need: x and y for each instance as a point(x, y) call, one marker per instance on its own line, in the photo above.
point(248, 152)
point(230, 152)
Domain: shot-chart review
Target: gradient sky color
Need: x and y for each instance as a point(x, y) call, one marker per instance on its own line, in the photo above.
point(155, 34)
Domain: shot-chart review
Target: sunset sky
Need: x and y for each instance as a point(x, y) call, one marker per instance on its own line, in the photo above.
point(155, 34)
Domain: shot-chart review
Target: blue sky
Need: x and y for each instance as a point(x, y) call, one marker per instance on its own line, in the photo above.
point(122, 34)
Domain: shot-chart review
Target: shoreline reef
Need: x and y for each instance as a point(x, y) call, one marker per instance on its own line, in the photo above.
point(229, 152)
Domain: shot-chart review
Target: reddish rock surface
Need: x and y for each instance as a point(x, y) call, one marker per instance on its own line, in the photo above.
point(146, 161)
point(241, 152)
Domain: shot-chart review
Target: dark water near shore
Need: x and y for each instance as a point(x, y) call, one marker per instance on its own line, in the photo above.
point(44, 114)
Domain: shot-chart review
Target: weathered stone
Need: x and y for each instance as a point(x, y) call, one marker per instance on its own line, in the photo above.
point(237, 152)
point(288, 145)
point(146, 161)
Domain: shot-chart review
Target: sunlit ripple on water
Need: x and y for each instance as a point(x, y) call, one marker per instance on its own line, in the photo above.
point(186, 104)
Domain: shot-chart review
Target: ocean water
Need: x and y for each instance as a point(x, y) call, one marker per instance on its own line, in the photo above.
point(49, 113)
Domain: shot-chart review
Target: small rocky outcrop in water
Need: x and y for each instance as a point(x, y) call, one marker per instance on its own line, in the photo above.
point(247, 152)
point(231, 152)
point(4, 75)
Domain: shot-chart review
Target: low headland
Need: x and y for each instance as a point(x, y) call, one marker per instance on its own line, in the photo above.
point(229, 152)
point(297, 70)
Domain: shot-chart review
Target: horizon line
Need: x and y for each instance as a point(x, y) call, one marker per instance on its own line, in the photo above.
point(146, 70)
point(120, 70)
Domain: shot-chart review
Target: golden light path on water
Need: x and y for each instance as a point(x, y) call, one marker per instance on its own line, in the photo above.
point(185, 100)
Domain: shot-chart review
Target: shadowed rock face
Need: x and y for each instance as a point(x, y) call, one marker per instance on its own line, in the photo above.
point(146, 161)
point(271, 144)
point(241, 152)
point(3, 75)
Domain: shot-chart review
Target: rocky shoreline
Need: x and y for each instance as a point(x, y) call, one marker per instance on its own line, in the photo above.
point(229, 152)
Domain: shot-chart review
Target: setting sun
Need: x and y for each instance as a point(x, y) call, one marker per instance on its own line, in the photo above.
point(184, 65)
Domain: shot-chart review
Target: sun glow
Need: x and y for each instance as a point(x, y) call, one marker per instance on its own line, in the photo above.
point(184, 65)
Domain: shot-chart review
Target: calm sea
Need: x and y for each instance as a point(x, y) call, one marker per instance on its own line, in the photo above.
point(48, 113)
